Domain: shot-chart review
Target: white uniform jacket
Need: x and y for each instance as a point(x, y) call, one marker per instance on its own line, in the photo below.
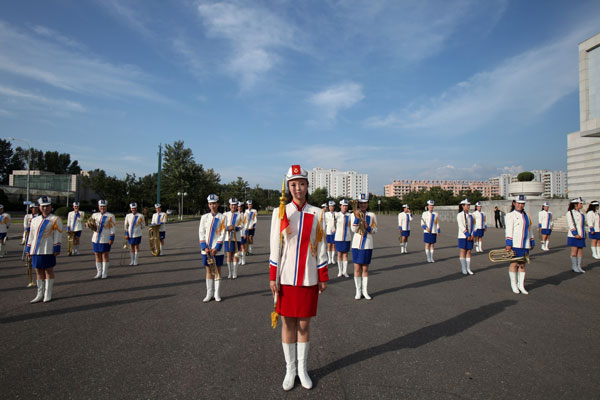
point(364, 242)
point(404, 219)
point(237, 220)
point(518, 230)
point(106, 227)
point(134, 224)
point(211, 232)
point(480, 220)
point(593, 221)
point(4, 222)
point(250, 217)
point(45, 235)
point(466, 224)
point(159, 219)
point(74, 221)
point(329, 222)
point(343, 230)
point(545, 220)
point(576, 222)
point(301, 258)
point(27, 222)
point(430, 219)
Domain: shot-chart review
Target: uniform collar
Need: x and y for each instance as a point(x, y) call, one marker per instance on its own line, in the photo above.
point(299, 208)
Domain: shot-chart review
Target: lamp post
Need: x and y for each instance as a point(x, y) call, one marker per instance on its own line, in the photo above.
point(181, 195)
point(28, 162)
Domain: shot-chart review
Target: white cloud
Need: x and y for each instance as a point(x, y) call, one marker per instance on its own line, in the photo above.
point(128, 14)
point(332, 100)
point(20, 96)
point(191, 59)
point(51, 34)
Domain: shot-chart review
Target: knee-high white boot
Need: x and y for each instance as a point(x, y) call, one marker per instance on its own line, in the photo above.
point(428, 255)
point(131, 258)
point(468, 263)
point(513, 281)
point(357, 283)
point(579, 265)
point(431, 255)
point(210, 287)
point(574, 264)
point(345, 273)
point(289, 352)
point(105, 265)
point(235, 267)
point(463, 266)
point(522, 283)
point(405, 247)
point(40, 291)
point(302, 367)
point(229, 274)
point(98, 269)
point(365, 284)
point(48, 292)
point(135, 258)
point(217, 290)
point(340, 264)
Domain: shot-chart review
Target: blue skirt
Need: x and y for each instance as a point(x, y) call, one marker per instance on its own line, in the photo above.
point(251, 232)
point(162, 235)
point(243, 240)
point(520, 252)
point(101, 247)
point(218, 260)
point(405, 233)
point(479, 232)
point(546, 231)
point(77, 233)
point(230, 246)
point(465, 244)
point(3, 235)
point(429, 237)
point(43, 261)
point(330, 238)
point(134, 241)
point(595, 236)
point(574, 242)
point(362, 256)
point(342, 247)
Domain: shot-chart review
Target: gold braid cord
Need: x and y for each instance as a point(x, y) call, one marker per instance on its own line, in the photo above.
point(274, 314)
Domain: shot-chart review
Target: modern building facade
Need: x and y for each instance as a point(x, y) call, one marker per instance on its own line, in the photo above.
point(42, 182)
point(349, 184)
point(400, 188)
point(583, 146)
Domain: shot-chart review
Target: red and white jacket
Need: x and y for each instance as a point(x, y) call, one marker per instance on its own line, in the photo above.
point(45, 235)
point(211, 232)
point(301, 257)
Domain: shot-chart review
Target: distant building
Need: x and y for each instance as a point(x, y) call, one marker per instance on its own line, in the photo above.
point(503, 181)
point(555, 182)
point(583, 146)
point(348, 184)
point(400, 188)
point(48, 183)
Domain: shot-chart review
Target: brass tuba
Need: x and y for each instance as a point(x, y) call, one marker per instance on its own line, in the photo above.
point(154, 238)
point(503, 255)
point(362, 221)
point(70, 242)
point(92, 224)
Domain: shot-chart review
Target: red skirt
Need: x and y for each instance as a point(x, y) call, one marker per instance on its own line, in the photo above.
point(298, 301)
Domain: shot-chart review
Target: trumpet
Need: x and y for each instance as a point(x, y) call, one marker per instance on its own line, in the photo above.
point(154, 238)
point(92, 224)
point(503, 255)
point(362, 222)
point(212, 265)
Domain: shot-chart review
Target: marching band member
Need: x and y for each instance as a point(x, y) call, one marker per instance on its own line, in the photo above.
point(330, 232)
point(211, 233)
point(251, 218)
point(520, 240)
point(160, 218)
point(480, 227)
point(466, 226)
point(43, 245)
point(431, 228)
point(102, 238)
point(74, 225)
point(576, 235)
point(241, 255)
point(363, 227)
point(545, 224)
point(234, 224)
point(4, 225)
point(134, 222)
point(343, 237)
point(297, 273)
point(593, 221)
point(404, 219)
point(26, 229)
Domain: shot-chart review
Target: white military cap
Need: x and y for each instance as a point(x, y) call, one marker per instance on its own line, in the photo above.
point(331, 203)
point(364, 198)
point(296, 172)
point(133, 205)
point(44, 201)
point(404, 205)
point(248, 201)
point(577, 200)
point(240, 204)
point(212, 198)
point(75, 204)
point(594, 203)
point(344, 202)
point(546, 204)
point(430, 202)
point(323, 205)
point(103, 203)
point(465, 201)
point(1, 206)
point(478, 204)
point(33, 205)
point(233, 200)
point(157, 205)
point(521, 199)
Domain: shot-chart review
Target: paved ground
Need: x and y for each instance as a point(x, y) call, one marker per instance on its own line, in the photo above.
point(428, 333)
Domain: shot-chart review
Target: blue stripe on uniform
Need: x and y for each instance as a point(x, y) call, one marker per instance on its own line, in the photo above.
point(102, 221)
point(40, 233)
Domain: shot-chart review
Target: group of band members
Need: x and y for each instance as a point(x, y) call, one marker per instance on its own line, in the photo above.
point(4, 225)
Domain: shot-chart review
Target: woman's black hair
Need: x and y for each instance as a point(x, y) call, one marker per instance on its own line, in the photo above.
point(571, 206)
point(592, 207)
point(512, 206)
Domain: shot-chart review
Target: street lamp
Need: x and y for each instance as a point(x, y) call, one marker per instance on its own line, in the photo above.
point(28, 162)
point(181, 195)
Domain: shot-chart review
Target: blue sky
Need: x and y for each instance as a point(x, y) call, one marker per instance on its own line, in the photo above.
point(397, 89)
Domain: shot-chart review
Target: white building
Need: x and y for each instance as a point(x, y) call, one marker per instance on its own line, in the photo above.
point(348, 184)
point(555, 182)
point(583, 147)
point(503, 181)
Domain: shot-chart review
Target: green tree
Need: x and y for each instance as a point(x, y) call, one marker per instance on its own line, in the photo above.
point(318, 197)
point(110, 188)
point(525, 176)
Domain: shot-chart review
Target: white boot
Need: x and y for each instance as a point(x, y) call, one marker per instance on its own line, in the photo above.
point(131, 258)
point(340, 267)
point(481, 246)
point(217, 290)
point(579, 265)
point(598, 252)
point(345, 273)
point(302, 368)
point(522, 283)
point(235, 265)
point(405, 247)
point(1, 249)
point(210, 285)
point(243, 258)
point(431, 255)
point(357, 282)
point(105, 265)
point(289, 352)
point(250, 249)
point(468, 262)
point(229, 272)
point(463, 266)
point(135, 258)
point(162, 250)
point(98, 270)
point(595, 252)
point(48, 292)
point(547, 245)
point(513, 281)
point(40, 291)
point(365, 284)
point(428, 255)
point(574, 264)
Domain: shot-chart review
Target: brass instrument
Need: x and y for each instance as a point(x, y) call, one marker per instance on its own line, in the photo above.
point(29, 272)
point(503, 255)
point(92, 224)
point(154, 238)
point(70, 242)
point(212, 265)
point(362, 221)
